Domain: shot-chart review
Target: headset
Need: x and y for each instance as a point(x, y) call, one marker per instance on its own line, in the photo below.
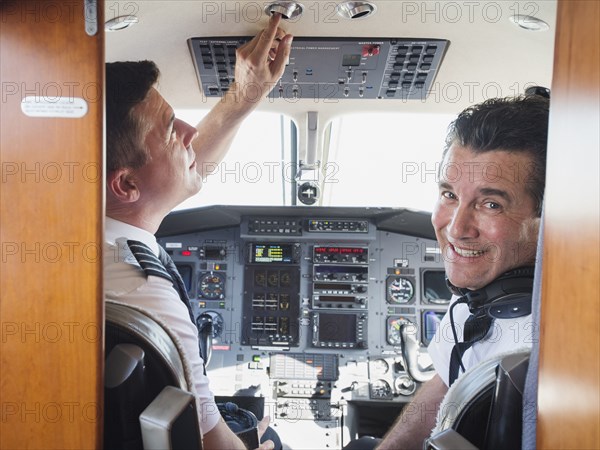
point(507, 297)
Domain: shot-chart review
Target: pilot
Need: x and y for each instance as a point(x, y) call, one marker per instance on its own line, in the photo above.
point(486, 219)
point(154, 162)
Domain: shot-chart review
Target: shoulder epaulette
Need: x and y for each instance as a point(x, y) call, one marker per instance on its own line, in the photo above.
point(147, 260)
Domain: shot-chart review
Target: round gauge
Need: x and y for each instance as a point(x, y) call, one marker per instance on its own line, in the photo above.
point(393, 329)
point(273, 279)
point(285, 280)
point(212, 286)
point(260, 278)
point(217, 322)
point(405, 385)
point(380, 366)
point(381, 389)
point(399, 290)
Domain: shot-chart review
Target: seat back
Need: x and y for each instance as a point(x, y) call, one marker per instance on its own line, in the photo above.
point(531, 381)
point(142, 360)
point(483, 408)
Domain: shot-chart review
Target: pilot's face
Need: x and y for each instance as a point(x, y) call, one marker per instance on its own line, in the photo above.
point(170, 176)
point(484, 218)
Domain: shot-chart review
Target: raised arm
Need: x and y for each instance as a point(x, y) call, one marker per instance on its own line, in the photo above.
point(259, 65)
point(417, 419)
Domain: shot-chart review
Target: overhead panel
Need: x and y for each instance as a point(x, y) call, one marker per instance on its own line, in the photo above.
point(331, 68)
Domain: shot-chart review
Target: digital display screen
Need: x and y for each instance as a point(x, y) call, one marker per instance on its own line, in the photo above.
point(337, 298)
point(341, 250)
point(326, 270)
point(272, 253)
point(185, 271)
point(435, 289)
point(333, 286)
point(351, 60)
point(337, 328)
point(214, 252)
point(431, 320)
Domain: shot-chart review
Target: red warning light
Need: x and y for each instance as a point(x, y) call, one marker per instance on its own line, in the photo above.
point(370, 50)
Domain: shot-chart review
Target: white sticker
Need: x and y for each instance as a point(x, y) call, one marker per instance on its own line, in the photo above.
point(173, 245)
point(69, 107)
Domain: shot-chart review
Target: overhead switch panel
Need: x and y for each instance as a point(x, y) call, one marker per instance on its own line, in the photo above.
point(331, 68)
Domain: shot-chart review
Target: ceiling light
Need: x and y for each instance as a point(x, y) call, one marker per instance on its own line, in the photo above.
point(288, 10)
point(529, 23)
point(355, 10)
point(120, 23)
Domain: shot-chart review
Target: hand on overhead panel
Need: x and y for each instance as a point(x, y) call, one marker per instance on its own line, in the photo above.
point(261, 62)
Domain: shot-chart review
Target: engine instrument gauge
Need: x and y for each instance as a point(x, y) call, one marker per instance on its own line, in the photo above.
point(380, 366)
point(393, 329)
point(381, 389)
point(212, 286)
point(399, 289)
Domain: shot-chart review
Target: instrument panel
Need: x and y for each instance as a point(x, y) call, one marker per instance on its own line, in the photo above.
point(308, 312)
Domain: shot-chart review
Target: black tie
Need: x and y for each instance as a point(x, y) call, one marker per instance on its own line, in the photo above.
point(163, 267)
point(476, 328)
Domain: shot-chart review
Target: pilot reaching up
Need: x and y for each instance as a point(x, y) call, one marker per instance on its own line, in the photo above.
point(486, 220)
point(154, 162)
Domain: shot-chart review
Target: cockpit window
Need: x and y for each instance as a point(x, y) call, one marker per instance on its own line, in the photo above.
point(378, 159)
point(257, 170)
point(384, 160)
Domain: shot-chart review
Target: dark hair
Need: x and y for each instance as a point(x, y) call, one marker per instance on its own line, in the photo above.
point(516, 124)
point(127, 85)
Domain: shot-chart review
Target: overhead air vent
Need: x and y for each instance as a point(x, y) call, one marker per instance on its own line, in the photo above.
point(355, 10)
point(288, 10)
point(120, 23)
point(332, 68)
point(529, 23)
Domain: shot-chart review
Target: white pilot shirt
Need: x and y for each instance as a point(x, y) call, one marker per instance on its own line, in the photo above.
point(504, 336)
point(126, 282)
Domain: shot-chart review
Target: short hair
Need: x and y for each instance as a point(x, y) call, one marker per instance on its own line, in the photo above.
point(514, 124)
point(127, 85)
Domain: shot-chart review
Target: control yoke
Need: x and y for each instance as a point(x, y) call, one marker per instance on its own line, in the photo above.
point(410, 352)
point(205, 332)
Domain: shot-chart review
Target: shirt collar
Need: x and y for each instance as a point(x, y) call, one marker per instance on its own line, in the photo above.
point(115, 229)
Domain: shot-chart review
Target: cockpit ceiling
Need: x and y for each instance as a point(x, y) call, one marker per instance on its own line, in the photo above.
point(488, 55)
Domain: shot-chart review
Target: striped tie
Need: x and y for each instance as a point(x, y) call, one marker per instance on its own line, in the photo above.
point(163, 267)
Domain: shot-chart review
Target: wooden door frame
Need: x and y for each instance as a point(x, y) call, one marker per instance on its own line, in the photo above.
point(569, 381)
point(52, 199)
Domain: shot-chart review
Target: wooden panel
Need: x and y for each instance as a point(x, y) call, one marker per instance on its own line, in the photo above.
point(51, 196)
point(569, 381)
